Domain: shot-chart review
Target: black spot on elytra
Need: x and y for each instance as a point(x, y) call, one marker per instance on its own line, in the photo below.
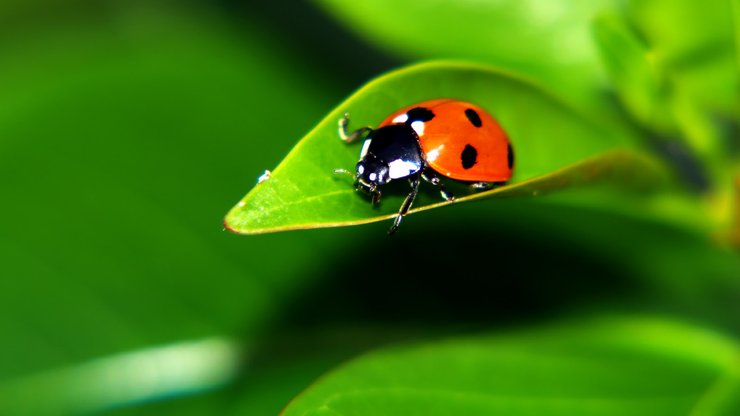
point(469, 156)
point(419, 114)
point(510, 156)
point(473, 117)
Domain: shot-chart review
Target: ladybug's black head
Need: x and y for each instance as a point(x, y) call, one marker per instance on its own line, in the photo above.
point(371, 173)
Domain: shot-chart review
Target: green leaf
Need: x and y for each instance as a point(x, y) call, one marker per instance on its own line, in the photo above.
point(103, 248)
point(702, 60)
point(736, 26)
point(603, 367)
point(549, 42)
point(637, 81)
point(554, 145)
point(699, 66)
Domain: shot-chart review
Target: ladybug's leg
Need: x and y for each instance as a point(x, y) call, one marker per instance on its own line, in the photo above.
point(350, 137)
point(430, 177)
point(376, 197)
point(481, 186)
point(406, 204)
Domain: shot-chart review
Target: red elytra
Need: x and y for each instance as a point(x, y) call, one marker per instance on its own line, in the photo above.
point(462, 141)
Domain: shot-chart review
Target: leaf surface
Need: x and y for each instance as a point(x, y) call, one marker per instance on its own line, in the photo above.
point(603, 367)
point(554, 146)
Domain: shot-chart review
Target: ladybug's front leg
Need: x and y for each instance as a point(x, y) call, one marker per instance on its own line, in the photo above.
point(430, 177)
point(376, 197)
point(350, 137)
point(406, 204)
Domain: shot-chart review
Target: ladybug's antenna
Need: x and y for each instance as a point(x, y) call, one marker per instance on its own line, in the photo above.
point(344, 172)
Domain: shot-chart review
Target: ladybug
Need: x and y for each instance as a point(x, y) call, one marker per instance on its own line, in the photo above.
point(452, 138)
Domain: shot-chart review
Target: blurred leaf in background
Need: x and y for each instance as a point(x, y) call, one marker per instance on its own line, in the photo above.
point(546, 42)
point(128, 128)
point(680, 84)
point(606, 367)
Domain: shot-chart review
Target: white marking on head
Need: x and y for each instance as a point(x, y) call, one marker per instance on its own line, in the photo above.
point(372, 176)
point(401, 118)
point(418, 127)
point(365, 148)
point(361, 169)
point(401, 169)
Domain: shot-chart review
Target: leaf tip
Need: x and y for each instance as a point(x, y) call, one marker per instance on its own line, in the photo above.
point(229, 228)
point(229, 223)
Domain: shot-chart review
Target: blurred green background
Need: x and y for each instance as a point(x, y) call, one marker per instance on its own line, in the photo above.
point(129, 128)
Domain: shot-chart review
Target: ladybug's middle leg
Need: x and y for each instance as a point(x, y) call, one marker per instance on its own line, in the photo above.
point(430, 177)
